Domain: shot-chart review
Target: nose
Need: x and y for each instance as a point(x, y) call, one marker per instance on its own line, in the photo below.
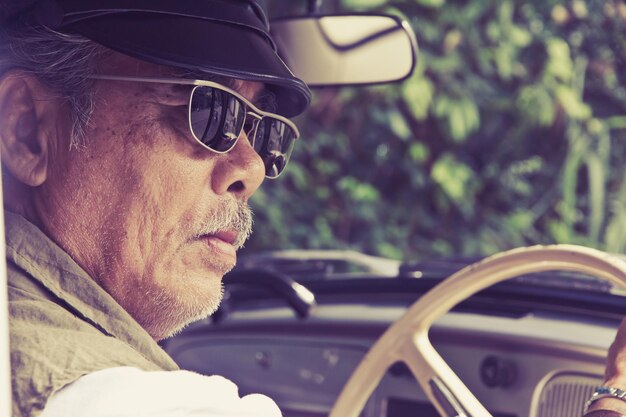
point(239, 172)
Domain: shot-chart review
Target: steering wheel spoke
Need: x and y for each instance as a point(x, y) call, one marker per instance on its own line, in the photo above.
point(440, 384)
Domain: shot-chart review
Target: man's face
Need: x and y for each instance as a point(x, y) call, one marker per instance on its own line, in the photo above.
point(151, 215)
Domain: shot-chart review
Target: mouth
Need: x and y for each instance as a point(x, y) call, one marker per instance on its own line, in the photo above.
point(227, 236)
point(222, 245)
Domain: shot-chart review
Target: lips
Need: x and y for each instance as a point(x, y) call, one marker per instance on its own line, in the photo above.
point(222, 245)
point(227, 236)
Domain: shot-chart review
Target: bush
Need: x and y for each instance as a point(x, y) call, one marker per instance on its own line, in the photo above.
point(509, 133)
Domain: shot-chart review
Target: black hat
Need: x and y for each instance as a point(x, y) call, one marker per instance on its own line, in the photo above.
point(222, 37)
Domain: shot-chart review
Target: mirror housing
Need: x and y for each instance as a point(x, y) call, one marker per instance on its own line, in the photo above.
point(338, 50)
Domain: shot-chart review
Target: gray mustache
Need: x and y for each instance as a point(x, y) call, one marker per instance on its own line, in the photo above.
point(231, 215)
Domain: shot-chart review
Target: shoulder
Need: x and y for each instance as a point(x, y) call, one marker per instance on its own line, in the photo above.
point(127, 391)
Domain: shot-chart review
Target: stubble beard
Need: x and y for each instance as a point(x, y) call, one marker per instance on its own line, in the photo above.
point(163, 312)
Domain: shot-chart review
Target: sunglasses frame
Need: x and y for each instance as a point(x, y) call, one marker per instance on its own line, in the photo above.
point(256, 113)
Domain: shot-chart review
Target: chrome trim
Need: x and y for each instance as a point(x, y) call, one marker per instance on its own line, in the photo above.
point(447, 401)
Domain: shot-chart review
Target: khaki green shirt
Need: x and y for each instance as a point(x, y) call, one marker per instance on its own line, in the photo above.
point(63, 324)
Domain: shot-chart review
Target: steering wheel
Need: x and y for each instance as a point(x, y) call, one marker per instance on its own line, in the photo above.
point(407, 341)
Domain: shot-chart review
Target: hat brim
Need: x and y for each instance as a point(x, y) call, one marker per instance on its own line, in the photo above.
point(201, 45)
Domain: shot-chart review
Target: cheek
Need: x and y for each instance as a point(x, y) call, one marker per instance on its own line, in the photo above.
point(157, 163)
point(167, 198)
point(157, 182)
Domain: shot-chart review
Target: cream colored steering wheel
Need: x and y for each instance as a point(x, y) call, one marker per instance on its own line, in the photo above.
point(407, 339)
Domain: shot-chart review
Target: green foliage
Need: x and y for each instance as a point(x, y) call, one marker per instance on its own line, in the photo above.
point(511, 131)
point(367, 4)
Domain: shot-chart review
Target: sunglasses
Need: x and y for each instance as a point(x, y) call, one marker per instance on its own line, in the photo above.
point(218, 116)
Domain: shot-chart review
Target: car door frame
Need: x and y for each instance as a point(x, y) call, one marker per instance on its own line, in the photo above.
point(5, 361)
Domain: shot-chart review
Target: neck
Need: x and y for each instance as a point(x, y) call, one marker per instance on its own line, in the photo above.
point(18, 199)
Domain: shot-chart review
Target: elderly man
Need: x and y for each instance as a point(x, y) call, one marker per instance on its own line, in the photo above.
point(132, 139)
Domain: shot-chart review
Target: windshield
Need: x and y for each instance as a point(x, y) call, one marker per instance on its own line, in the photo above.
point(511, 132)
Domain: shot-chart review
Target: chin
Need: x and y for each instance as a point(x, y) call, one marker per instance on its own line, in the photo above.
point(171, 328)
point(164, 312)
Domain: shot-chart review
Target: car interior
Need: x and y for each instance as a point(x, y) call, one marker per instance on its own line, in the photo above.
point(532, 346)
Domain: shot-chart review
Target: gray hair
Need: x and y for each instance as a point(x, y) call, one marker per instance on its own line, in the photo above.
point(64, 62)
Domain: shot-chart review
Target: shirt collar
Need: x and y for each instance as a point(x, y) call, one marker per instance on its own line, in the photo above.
point(34, 252)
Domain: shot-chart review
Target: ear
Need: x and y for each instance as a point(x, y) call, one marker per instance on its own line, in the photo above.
point(24, 136)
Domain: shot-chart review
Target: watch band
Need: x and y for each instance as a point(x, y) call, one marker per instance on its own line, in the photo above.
point(603, 413)
point(605, 392)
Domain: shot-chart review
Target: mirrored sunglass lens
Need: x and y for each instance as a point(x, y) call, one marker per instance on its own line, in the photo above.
point(216, 117)
point(273, 141)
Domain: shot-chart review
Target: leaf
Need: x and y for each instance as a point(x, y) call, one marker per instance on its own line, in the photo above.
point(359, 191)
point(389, 251)
point(504, 55)
point(297, 175)
point(471, 115)
point(520, 37)
point(447, 63)
point(520, 220)
point(615, 236)
point(537, 104)
point(452, 40)
point(363, 4)
point(505, 12)
point(616, 122)
point(452, 176)
point(456, 123)
point(431, 3)
point(461, 115)
point(569, 184)
point(418, 152)
point(443, 248)
point(560, 63)
point(442, 105)
point(560, 232)
point(418, 95)
point(596, 175)
point(572, 103)
point(398, 125)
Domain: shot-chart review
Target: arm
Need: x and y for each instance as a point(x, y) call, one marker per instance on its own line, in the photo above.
point(615, 376)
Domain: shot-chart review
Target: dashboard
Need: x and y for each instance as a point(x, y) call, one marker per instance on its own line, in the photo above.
point(534, 365)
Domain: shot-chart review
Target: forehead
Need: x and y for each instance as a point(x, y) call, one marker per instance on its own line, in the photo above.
point(249, 89)
point(120, 64)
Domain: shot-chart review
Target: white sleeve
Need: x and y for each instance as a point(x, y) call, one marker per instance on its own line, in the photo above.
point(131, 392)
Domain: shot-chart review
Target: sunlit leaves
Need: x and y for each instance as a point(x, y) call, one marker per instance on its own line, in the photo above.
point(461, 116)
point(508, 38)
point(520, 220)
point(537, 104)
point(518, 176)
point(358, 191)
point(418, 95)
point(615, 231)
point(511, 132)
point(363, 4)
point(431, 3)
point(572, 103)
point(418, 152)
point(398, 125)
point(452, 40)
point(597, 178)
point(560, 63)
point(453, 177)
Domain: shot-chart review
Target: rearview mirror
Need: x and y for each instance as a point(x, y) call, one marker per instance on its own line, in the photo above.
point(346, 49)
